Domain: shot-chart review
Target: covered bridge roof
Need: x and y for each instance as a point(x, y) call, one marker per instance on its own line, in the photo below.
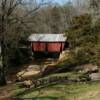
point(47, 38)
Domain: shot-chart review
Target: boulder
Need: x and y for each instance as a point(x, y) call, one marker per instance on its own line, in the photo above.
point(64, 55)
point(27, 83)
point(90, 68)
point(28, 72)
point(94, 76)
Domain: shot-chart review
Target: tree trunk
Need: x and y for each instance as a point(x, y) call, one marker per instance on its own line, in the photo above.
point(2, 77)
point(2, 66)
point(2, 44)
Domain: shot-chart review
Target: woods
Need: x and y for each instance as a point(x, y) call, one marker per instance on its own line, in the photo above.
point(20, 18)
point(17, 19)
point(79, 20)
point(13, 22)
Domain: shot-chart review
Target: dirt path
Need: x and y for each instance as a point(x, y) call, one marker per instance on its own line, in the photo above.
point(6, 92)
point(27, 71)
point(34, 69)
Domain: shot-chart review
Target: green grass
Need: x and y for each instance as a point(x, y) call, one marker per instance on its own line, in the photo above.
point(64, 92)
point(71, 75)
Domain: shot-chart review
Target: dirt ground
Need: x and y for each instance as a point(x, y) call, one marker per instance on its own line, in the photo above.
point(6, 92)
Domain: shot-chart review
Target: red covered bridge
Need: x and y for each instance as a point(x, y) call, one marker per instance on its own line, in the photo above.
point(47, 45)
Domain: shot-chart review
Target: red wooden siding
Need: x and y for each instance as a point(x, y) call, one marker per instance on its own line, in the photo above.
point(38, 47)
point(49, 47)
point(54, 47)
point(63, 44)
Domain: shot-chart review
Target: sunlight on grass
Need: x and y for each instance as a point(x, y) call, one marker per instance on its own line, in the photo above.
point(65, 92)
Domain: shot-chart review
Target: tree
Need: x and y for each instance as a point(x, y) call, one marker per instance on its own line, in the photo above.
point(56, 20)
point(84, 39)
point(95, 6)
point(52, 18)
point(14, 19)
point(79, 32)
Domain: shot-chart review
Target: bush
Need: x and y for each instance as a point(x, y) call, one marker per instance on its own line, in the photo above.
point(86, 37)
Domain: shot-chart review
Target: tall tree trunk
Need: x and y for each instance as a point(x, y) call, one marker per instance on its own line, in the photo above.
point(2, 66)
point(2, 44)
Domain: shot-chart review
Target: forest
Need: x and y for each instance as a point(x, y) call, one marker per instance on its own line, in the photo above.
point(74, 74)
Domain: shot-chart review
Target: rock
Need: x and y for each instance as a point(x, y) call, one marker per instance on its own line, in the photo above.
point(19, 78)
point(27, 83)
point(9, 82)
point(64, 55)
point(90, 68)
point(78, 80)
point(28, 72)
point(94, 76)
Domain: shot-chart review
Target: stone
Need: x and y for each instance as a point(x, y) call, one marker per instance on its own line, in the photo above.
point(9, 82)
point(90, 68)
point(94, 76)
point(28, 72)
point(64, 55)
point(27, 83)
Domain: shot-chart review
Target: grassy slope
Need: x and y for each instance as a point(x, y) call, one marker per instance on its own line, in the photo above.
point(65, 92)
point(62, 91)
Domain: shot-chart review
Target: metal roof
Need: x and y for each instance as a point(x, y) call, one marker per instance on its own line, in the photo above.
point(47, 38)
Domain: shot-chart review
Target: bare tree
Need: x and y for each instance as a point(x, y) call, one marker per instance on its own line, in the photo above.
point(14, 18)
point(95, 6)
